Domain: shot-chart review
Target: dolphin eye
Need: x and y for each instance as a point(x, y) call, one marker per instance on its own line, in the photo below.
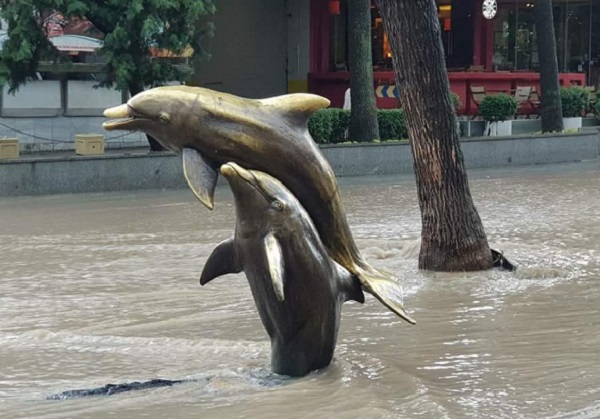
point(278, 205)
point(163, 117)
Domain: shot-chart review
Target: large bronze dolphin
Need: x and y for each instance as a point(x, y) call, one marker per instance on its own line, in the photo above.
point(297, 287)
point(212, 128)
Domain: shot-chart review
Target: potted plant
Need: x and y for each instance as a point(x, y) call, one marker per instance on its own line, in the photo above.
point(574, 101)
point(456, 102)
point(457, 105)
point(498, 111)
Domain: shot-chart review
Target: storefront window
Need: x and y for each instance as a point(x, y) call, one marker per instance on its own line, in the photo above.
point(382, 56)
point(515, 44)
point(576, 23)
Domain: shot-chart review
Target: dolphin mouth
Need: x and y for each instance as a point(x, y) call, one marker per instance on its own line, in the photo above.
point(122, 117)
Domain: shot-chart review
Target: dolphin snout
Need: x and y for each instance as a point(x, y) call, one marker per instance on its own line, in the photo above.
point(228, 169)
point(231, 169)
point(121, 111)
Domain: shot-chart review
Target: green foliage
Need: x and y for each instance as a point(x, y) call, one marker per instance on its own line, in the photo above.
point(329, 126)
point(392, 125)
point(130, 27)
point(455, 101)
point(574, 101)
point(500, 107)
point(597, 107)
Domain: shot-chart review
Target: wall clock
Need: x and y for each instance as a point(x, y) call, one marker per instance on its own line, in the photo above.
point(489, 9)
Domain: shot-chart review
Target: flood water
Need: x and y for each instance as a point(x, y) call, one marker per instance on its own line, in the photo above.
point(103, 288)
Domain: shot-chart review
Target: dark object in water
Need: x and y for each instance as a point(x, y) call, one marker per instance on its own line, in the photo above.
point(501, 262)
point(111, 389)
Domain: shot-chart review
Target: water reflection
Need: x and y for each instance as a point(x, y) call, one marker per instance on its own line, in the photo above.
point(99, 289)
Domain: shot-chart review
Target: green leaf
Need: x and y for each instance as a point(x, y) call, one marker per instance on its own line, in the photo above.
point(130, 28)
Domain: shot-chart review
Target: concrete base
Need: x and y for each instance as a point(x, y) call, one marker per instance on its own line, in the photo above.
point(143, 170)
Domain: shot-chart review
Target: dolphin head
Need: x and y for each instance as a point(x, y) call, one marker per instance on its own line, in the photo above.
point(261, 199)
point(167, 113)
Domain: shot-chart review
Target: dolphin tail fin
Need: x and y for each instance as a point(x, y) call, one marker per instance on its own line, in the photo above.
point(386, 289)
point(201, 176)
point(222, 261)
point(350, 285)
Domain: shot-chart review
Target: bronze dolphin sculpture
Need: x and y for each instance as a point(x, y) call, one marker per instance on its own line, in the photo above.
point(211, 128)
point(298, 289)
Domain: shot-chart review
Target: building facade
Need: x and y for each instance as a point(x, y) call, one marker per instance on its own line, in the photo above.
point(503, 47)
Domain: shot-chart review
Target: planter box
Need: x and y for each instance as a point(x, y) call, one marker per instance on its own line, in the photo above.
point(498, 129)
point(572, 123)
point(89, 144)
point(9, 148)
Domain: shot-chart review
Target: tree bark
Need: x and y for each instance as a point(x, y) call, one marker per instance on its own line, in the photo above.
point(134, 89)
point(452, 236)
point(363, 111)
point(551, 107)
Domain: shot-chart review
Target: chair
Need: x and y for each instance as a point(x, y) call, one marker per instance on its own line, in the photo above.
point(522, 95)
point(477, 94)
point(535, 102)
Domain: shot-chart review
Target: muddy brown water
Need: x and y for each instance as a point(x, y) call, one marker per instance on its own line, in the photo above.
point(103, 288)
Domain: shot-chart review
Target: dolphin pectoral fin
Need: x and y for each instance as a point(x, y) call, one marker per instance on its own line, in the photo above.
point(201, 176)
point(386, 289)
point(350, 286)
point(222, 261)
point(275, 263)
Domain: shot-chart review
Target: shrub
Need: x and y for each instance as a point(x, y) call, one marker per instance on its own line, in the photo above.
point(339, 126)
point(500, 107)
point(321, 125)
point(392, 125)
point(329, 126)
point(574, 101)
point(455, 101)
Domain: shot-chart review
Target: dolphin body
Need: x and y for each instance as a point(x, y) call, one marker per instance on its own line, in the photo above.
point(298, 289)
point(211, 128)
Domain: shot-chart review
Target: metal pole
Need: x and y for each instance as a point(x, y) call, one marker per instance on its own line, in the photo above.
point(565, 36)
point(516, 33)
point(589, 72)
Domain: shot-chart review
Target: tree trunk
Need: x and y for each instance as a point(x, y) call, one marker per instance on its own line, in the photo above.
point(551, 107)
point(363, 111)
point(134, 89)
point(452, 236)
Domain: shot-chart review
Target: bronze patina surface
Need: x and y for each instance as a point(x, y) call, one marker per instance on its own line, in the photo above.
point(212, 128)
point(298, 289)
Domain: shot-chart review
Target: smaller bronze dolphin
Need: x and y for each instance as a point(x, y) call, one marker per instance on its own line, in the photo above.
point(297, 287)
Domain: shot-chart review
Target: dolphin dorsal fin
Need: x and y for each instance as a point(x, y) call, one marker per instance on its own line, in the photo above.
point(222, 261)
point(299, 106)
point(275, 264)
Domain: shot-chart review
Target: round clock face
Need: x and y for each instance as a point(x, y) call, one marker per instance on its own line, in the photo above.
point(490, 7)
